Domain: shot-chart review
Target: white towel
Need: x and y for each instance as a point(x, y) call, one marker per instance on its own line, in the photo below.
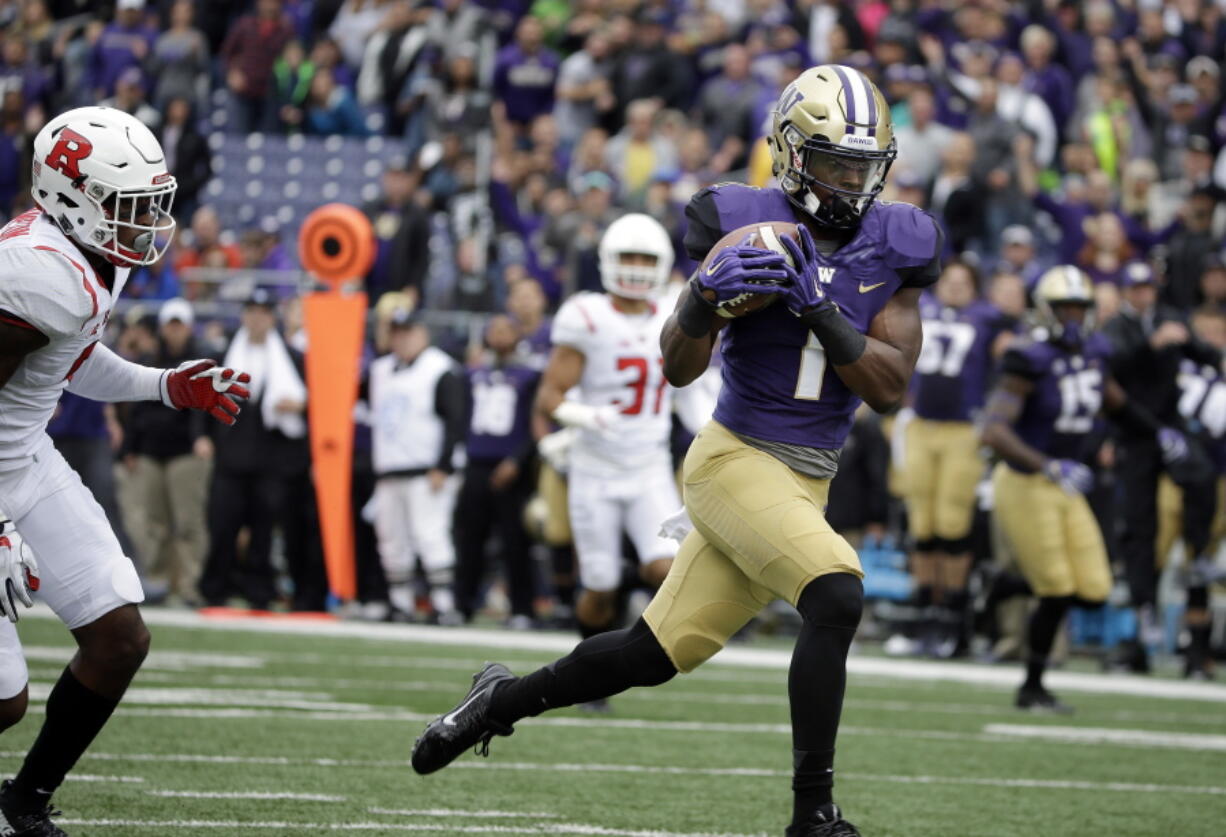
point(281, 380)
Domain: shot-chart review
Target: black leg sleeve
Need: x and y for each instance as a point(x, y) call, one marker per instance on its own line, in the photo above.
point(1044, 623)
point(600, 666)
point(831, 607)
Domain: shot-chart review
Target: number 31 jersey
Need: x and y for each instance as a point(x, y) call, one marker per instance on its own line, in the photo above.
point(623, 366)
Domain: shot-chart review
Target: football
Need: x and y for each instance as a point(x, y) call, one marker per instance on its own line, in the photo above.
point(765, 235)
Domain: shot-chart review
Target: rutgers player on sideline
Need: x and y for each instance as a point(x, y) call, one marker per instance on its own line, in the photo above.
point(103, 196)
point(606, 378)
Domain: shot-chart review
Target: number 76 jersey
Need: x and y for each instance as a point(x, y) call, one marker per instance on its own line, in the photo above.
point(623, 366)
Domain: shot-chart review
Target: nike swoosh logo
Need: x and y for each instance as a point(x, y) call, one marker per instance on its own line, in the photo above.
point(449, 718)
point(866, 288)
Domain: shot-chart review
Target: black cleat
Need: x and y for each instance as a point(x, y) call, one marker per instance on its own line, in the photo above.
point(827, 821)
point(447, 736)
point(1038, 699)
point(17, 820)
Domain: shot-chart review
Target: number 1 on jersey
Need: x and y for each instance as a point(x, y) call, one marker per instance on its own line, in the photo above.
point(812, 370)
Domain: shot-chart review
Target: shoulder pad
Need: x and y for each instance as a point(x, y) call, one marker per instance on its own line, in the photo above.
point(910, 235)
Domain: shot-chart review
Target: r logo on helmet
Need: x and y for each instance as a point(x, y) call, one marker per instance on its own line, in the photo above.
point(67, 154)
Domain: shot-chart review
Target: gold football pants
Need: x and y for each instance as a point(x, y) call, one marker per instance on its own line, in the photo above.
point(760, 533)
point(1054, 535)
point(942, 471)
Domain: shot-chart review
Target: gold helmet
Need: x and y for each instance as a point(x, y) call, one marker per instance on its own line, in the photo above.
point(832, 144)
point(1064, 285)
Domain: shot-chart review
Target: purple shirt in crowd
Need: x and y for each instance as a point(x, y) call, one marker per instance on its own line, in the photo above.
point(501, 422)
point(525, 83)
point(116, 50)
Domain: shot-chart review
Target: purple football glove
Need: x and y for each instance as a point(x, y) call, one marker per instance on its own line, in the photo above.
point(1174, 445)
point(1072, 477)
point(741, 269)
point(805, 294)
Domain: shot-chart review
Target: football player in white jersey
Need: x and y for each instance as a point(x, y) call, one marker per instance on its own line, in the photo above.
point(103, 195)
point(605, 377)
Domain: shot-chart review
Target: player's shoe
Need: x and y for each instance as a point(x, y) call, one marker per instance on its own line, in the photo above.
point(468, 725)
point(16, 821)
point(1038, 699)
point(827, 821)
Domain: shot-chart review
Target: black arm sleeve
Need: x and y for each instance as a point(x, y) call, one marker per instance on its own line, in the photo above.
point(1016, 363)
point(449, 405)
point(704, 228)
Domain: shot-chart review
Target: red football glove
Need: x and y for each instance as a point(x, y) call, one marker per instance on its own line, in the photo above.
point(203, 385)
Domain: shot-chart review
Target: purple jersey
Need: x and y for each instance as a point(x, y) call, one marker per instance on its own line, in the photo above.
point(1202, 403)
point(500, 426)
point(777, 385)
point(1061, 410)
point(951, 375)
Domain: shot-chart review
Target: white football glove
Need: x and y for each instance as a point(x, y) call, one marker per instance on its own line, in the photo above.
point(18, 572)
point(555, 448)
point(602, 420)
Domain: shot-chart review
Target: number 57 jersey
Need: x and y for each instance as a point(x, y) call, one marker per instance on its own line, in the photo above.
point(623, 366)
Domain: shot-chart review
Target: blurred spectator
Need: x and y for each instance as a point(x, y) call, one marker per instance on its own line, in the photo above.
point(647, 69)
point(399, 49)
point(248, 55)
point(576, 235)
point(291, 84)
point(18, 69)
point(36, 29)
point(205, 240)
point(417, 419)
point(584, 95)
point(956, 198)
point(157, 281)
point(331, 109)
point(456, 103)
point(187, 154)
point(1213, 284)
point(1194, 240)
point(638, 151)
point(254, 458)
point(1107, 250)
point(498, 479)
point(526, 303)
point(326, 56)
point(356, 22)
point(1047, 80)
point(180, 60)
point(130, 98)
point(14, 155)
point(525, 73)
point(921, 143)
point(1018, 255)
point(123, 43)
point(168, 456)
point(402, 233)
point(726, 107)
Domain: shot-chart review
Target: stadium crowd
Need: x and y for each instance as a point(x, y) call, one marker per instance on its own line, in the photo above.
point(1037, 133)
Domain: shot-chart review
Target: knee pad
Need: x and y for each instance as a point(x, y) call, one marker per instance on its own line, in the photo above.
point(928, 545)
point(954, 546)
point(834, 600)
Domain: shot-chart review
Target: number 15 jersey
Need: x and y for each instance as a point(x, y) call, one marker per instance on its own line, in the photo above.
point(623, 366)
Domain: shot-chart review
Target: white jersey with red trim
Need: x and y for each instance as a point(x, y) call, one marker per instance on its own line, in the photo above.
point(46, 284)
point(623, 365)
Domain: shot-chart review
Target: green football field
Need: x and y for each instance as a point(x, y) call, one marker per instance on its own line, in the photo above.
point(284, 728)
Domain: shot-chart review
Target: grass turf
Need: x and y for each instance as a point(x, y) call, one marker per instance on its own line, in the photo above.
point(272, 715)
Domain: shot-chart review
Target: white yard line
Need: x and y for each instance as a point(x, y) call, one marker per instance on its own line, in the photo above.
point(301, 797)
point(645, 769)
point(1103, 735)
point(90, 777)
point(449, 812)
point(236, 827)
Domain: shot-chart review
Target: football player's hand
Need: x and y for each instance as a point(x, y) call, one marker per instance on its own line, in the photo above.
point(805, 294)
point(1072, 477)
point(601, 419)
point(1174, 445)
point(555, 448)
point(203, 385)
point(742, 269)
point(18, 573)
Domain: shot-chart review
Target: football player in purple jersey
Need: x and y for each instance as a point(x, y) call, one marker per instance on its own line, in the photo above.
point(845, 328)
point(1038, 419)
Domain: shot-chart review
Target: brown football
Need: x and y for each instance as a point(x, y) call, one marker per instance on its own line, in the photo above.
point(765, 235)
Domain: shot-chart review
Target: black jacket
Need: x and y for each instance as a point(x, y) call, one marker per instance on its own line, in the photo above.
point(155, 430)
point(1148, 376)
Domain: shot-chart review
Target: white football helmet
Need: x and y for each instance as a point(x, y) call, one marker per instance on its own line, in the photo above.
point(638, 234)
point(98, 171)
